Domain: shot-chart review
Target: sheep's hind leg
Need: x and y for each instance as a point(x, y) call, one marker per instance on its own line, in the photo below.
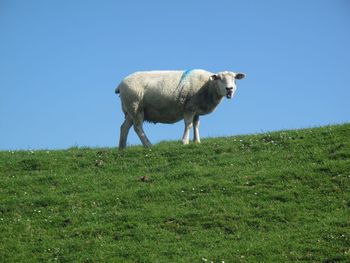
point(138, 127)
point(124, 130)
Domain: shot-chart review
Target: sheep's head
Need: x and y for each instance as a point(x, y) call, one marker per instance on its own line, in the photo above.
point(226, 81)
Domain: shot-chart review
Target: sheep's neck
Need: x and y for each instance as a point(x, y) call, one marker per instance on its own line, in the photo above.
point(213, 91)
point(208, 98)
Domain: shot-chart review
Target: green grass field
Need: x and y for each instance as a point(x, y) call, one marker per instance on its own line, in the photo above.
point(273, 197)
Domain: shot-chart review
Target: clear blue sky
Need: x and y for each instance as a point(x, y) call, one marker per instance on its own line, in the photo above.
point(60, 62)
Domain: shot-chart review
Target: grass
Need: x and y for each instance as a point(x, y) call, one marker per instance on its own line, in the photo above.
point(273, 197)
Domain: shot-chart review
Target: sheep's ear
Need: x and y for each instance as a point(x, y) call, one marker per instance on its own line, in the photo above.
point(240, 76)
point(214, 77)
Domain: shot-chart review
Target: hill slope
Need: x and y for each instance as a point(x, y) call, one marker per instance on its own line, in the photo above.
point(279, 197)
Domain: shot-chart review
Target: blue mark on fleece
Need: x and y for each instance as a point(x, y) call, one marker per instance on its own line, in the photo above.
point(185, 74)
point(181, 85)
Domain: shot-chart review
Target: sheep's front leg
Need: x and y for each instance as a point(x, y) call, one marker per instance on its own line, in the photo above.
point(188, 118)
point(196, 129)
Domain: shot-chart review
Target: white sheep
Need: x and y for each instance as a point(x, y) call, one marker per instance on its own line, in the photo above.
point(169, 96)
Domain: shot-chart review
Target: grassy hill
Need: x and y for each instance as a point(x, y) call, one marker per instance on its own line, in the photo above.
point(274, 197)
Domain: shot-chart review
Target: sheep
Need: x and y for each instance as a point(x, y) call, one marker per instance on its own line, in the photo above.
point(170, 96)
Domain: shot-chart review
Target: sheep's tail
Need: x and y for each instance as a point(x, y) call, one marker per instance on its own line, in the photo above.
point(117, 91)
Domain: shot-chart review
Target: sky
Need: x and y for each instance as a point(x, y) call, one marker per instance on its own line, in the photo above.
point(60, 62)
